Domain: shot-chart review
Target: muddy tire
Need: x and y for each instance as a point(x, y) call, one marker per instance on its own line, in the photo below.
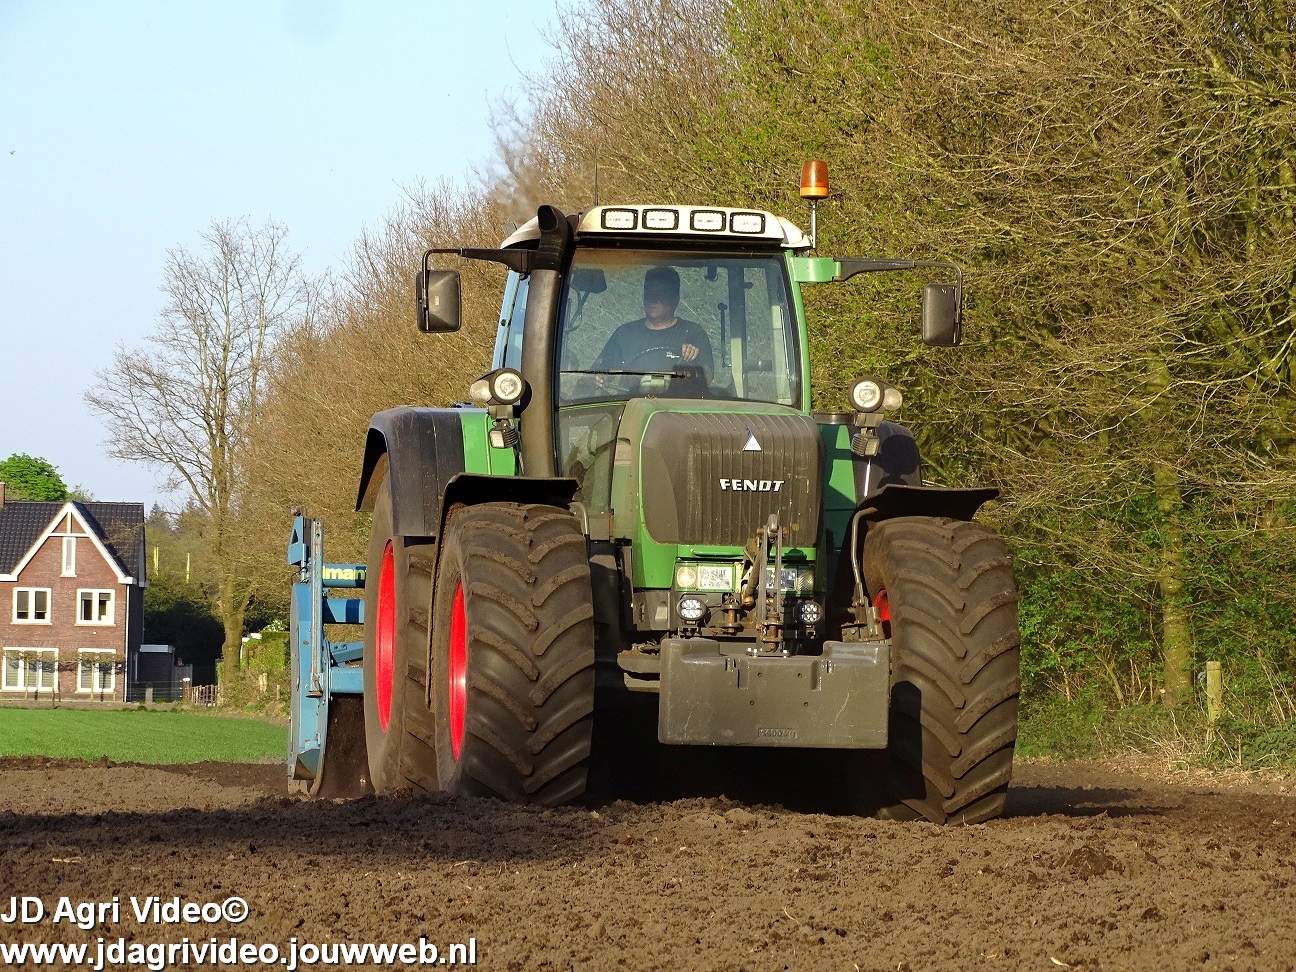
point(398, 597)
point(513, 654)
point(955, 653)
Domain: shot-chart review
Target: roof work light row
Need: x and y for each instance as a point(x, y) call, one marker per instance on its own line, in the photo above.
point(685, 219)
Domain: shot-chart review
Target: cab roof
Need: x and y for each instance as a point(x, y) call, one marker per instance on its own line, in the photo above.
point(693, 223)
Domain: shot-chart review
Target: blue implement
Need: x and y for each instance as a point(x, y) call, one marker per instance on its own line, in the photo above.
point(322, 670)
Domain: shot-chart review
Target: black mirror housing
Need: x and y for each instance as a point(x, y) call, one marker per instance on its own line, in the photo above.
point(942, 314)
point(438, 297)
point(586, 280)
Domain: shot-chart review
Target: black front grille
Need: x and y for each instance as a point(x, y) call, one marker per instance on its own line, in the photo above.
point(701, 486)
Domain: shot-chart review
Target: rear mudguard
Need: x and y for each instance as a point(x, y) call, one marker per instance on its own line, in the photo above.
point(424, 450)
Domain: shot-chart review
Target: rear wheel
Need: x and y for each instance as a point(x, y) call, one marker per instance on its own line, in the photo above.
point(398, 595)
point(513, 654)
point(948, 589)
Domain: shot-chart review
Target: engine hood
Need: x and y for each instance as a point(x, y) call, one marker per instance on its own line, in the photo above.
point(712, 473)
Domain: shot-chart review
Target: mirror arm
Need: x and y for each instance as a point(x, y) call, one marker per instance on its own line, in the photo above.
point(518, 260)
point(851, 266)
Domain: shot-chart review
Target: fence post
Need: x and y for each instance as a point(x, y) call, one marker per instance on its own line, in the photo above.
point(1214, 691)
point(148, 694)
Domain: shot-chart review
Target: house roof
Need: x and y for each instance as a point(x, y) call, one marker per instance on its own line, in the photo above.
point(118, 525)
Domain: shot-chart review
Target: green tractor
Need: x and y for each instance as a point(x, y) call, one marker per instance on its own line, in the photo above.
point(639, 507)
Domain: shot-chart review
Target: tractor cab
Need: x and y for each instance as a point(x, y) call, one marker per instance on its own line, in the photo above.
point(652, 310)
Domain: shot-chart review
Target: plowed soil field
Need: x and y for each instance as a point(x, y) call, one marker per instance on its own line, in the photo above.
point(1091, 869)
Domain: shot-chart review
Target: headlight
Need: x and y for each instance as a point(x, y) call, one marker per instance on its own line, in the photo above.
point(871, 394)
point(692, 609)
point(866, 395)
point(796, 580)
point(811, 612)
point(704, 577)
point(507, 386)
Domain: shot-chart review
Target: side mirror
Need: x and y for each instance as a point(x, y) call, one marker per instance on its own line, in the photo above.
point(438, 298)
point(588, 280)
point(942, 314)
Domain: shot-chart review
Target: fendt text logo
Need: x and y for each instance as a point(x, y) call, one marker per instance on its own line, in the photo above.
point(752, 485)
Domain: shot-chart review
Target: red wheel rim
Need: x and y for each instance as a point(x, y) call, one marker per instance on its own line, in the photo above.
point(883, 605)
point(385, 638)
point(458, 671)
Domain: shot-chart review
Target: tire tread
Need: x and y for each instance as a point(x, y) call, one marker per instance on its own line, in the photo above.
point(956, 648)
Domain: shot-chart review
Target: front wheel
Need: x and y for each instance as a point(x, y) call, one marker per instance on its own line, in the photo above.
point(946, 589)
point(513, 654)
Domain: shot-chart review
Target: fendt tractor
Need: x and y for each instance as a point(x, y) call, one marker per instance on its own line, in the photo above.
point(639, 508)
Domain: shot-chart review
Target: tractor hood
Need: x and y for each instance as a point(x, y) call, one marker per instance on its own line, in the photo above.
point(710, 474)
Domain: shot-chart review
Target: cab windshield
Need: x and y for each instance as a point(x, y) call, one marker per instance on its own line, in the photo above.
point(638, 323)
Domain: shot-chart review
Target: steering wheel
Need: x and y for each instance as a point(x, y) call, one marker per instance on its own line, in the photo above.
point(661, 358)
point(691, 380)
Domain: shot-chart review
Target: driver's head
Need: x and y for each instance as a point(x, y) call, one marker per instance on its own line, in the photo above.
point(661, 292)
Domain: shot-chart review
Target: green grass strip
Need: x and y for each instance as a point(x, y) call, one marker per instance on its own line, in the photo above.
point(134, 736)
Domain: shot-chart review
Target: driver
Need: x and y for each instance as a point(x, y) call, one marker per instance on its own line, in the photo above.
point(658, 330)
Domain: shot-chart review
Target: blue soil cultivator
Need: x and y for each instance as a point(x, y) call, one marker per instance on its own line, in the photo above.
point(327, 686)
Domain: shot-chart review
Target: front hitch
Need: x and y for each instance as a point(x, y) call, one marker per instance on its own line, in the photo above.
point(769, 600)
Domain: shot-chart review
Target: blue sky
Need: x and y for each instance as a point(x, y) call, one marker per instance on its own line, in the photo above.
point(126, 128)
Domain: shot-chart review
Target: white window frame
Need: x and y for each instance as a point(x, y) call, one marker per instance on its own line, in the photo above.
point(93, 594)
point(96, 671)
point(69, 557)
point(31, 593)
point(6, 683)
point(28, 658)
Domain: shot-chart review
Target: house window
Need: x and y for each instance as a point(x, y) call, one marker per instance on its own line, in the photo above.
point(69, 556)
point(96, 671)
point(29, 669)
point(31, 605)
point(94, 607)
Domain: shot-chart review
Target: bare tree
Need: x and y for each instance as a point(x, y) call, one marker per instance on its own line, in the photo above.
point(186, 400)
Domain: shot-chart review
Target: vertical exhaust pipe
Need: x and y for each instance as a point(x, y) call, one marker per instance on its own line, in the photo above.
point(540, 335)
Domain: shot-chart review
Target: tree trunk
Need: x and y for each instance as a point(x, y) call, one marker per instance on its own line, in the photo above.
point(231, 612)
point(1176, 632)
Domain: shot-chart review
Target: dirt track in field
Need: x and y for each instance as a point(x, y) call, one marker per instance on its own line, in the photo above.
point(1090, 869)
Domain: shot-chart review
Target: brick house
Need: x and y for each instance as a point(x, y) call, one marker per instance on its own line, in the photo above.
point(72, 579)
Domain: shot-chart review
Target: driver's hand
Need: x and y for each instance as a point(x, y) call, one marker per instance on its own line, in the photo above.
point(600, 381)
point(689, 352)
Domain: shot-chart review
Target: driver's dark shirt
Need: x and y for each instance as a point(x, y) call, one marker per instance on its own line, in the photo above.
point(632, 341)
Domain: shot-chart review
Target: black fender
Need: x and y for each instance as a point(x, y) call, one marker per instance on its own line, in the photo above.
point(470, 489)
point(895, 500)
point(424, 449)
